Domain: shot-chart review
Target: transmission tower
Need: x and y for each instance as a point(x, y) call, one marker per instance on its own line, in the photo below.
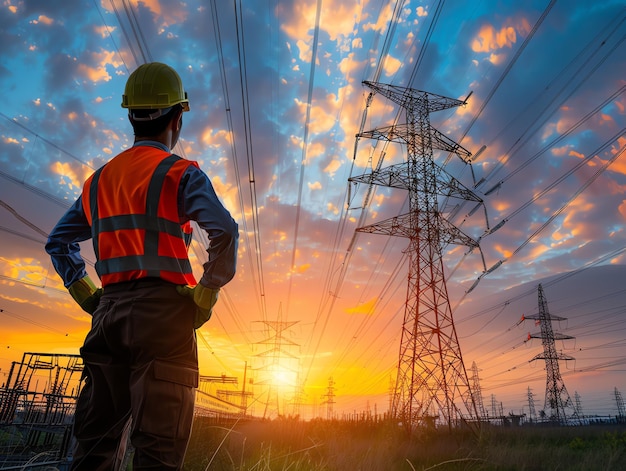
point(621, 409)
point(278, 361)
point(532, 414)
point(558, 401)
point(330, 398)
point(497, 411)
point(477, 393)
point(430, 367)
point(578, 406)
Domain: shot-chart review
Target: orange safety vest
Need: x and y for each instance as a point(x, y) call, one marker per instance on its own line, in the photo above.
point(131, 204)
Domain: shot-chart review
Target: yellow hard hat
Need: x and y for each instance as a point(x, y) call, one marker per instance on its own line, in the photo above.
point(154, 86)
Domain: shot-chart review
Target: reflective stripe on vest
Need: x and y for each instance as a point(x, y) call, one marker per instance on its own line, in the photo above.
point(149, 241)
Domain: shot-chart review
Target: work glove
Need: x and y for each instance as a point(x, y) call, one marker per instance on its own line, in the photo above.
point(85, 294)
point(205, 298)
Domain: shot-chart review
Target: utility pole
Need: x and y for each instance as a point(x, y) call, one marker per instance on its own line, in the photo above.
point(558, 401)
point(430, 367)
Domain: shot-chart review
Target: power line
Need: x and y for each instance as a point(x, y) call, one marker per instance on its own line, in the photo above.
point(254, 262)
point(305, 143)
point(245, 100)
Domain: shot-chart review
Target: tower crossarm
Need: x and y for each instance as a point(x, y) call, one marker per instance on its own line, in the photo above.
point(555, 336)
point(538, 317)
point(399, 226)
point(395, 226)
point(397, 176)
point(442, 142)
point(403, 133)
point(450, 234)
point(396, 133)
point(557, 356)
point(394, 176)
point(453, 188)
point(410, 97)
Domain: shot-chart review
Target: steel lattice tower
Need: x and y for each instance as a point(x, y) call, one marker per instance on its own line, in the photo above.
point(621, 409)
point(278, 359)
point(532, 414)
point(431, 374)
point(558, 401)
point(477, 393)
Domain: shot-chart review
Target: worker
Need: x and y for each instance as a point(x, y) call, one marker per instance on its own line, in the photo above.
point(140, 355)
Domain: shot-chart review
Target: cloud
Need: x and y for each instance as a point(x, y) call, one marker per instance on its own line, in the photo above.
point(68, 175)
point(332, 166)
point(43, 19)
point(391, 65)
point(298, 20)
point(381, 20)
point(363, 308)
point(98, 72)
point(489, 39)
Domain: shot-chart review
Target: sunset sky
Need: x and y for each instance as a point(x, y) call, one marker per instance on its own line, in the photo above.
point(276, 99)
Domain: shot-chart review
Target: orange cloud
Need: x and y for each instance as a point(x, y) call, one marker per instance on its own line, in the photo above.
point(342, 18)
point(391, 65)
point(363, 308)
point(99, 72)
point(347, 65)
point(46, 20)
point(103, 31)
point(172, 15)
point(299, 21)
point(29, 271)
point(332, 208)
point(381, 21)
point(301, 268)
point(489, 39)
point(210, 137)
point(68, 175)
point(10, 140)
point(506, 253)
point(622, 209)
point(332, 167)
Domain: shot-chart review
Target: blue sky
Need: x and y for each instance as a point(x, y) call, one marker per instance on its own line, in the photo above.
point(276, 133)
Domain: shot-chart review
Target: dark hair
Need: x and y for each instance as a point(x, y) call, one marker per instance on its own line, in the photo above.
point(150, 127)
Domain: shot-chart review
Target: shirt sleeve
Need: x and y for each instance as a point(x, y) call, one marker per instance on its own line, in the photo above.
point(201, 204)
point(63, 247)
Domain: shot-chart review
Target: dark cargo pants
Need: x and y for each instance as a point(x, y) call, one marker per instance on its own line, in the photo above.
point(141, 363)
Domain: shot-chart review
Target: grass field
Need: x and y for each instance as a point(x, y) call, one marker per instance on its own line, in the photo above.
point(293, 445)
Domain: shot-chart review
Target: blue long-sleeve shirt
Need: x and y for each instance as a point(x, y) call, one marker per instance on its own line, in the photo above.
point(197, 201)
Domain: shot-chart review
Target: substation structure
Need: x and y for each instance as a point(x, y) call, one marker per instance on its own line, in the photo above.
point(38, 401)
point(37, 405)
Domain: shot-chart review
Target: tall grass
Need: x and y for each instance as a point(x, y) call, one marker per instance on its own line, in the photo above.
point(293, 445)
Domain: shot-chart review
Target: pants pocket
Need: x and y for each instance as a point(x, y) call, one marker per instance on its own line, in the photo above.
point(166, 396)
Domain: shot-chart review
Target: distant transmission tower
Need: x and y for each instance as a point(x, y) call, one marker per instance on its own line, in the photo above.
point(532, 413)
point(621, 409)
point(430, 367)
point(477, 393)
point(277, 360)
point(558, 402)
point(578, 406)
point(330, 398)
